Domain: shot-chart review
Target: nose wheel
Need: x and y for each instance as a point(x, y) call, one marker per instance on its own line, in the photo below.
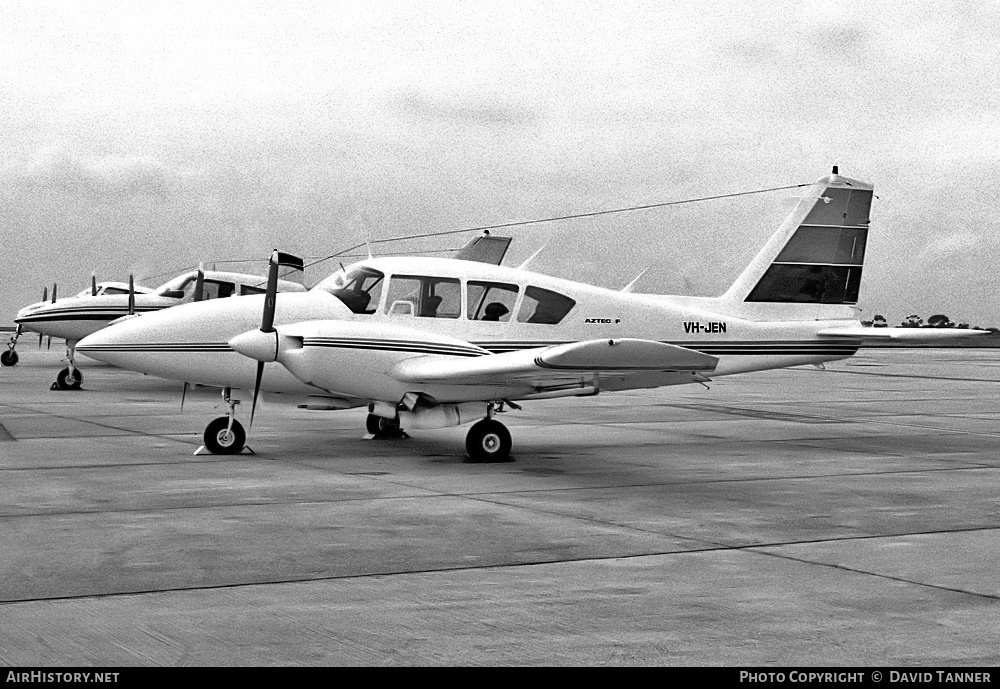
point(225, 435)
point(222, 439)
point(68, 379)
point(488, 441)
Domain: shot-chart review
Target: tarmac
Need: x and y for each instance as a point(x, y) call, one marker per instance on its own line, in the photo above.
point(847, 517)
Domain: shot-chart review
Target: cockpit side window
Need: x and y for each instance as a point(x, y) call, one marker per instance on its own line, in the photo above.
point(211, 289)
point(491, 301)
point(543, 306)
point(424, 296)
point(247, 289)
point(360, 289)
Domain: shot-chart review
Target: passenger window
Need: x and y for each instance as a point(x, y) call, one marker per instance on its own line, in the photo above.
point(491, 301)
point(543, 306)
point(425, 297)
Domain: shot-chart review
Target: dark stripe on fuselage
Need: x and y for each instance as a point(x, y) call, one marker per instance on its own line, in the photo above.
point(60, 316)
point(755, 348)
point(160, 347)
point(394, 345)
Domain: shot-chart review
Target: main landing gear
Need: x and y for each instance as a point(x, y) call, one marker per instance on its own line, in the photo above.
point(70, 378)
point(9, 358)
point(225, 435)
point(488, 441)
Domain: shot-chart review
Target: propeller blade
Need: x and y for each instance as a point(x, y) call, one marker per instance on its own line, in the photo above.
point(45, 297)
point(256, 390)
point(93, 284)
point(54, 288)
point(131, 294)
point(199, 284)
point(49, 343)
point(184, 393)
point(270, 294)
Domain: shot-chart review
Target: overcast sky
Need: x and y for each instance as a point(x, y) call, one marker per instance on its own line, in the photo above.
point(150, 136)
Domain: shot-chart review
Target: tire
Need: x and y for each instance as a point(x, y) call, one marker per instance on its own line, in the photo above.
point(69, 381)
point(488, 441)
point(219, 442)
point(9, 358)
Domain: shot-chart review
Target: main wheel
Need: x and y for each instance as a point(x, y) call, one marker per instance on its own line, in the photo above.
point(221, 441)
point(488, 441)
point(9, 358)
point(69, 380)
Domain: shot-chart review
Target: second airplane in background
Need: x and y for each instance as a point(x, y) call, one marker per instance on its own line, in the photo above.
point(73, 318)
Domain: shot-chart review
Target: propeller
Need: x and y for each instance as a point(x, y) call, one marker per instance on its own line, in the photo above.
point(131, 294)
point(199, 283)
point(45, 297)
point(55, 288)
point(93, 284)
point(262, 344)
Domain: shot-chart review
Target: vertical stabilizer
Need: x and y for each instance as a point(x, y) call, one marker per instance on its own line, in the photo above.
point(811, 267)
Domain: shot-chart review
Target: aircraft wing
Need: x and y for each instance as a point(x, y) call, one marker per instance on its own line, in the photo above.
point(599, 364)
point(905, 334)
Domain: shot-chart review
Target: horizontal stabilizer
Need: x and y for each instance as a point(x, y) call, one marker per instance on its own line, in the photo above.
point(906, 334)
point(485, 249)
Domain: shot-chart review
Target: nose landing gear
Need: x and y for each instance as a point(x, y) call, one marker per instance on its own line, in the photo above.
point(70, 378)
point(225, 435)
point(9, 358)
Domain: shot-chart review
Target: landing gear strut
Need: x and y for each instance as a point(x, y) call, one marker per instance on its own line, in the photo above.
point(9, 358)
point(225, 435)
point(70, 378)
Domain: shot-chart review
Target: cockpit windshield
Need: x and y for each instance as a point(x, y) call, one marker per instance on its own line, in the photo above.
point(177, 284)
point(360, 288)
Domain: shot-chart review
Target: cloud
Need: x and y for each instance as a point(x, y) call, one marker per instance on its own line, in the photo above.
point(58, 172)
point(954, 249)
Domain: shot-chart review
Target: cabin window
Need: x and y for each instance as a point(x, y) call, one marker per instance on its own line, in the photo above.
point(247, 289)
point(543, 306)
point(211, 289)
point(424, 297)
point(491, 301)
point(360, 289)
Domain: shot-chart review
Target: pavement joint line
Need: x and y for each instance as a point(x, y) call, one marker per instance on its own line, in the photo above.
point(889, 577)
point(755, 548)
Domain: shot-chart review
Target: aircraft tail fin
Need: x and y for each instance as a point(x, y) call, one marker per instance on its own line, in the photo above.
point(811, 266)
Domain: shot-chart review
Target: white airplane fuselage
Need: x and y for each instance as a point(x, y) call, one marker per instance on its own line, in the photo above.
point(351, 354)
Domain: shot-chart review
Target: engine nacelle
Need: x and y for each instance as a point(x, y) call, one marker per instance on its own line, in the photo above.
point(443, 416)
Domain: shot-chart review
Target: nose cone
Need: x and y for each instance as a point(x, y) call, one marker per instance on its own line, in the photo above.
point(257, 344)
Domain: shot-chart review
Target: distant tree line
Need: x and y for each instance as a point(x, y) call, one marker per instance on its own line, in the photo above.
point(938, 320)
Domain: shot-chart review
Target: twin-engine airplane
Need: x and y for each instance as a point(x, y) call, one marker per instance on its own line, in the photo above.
point(432, 343)
point(73, 318)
